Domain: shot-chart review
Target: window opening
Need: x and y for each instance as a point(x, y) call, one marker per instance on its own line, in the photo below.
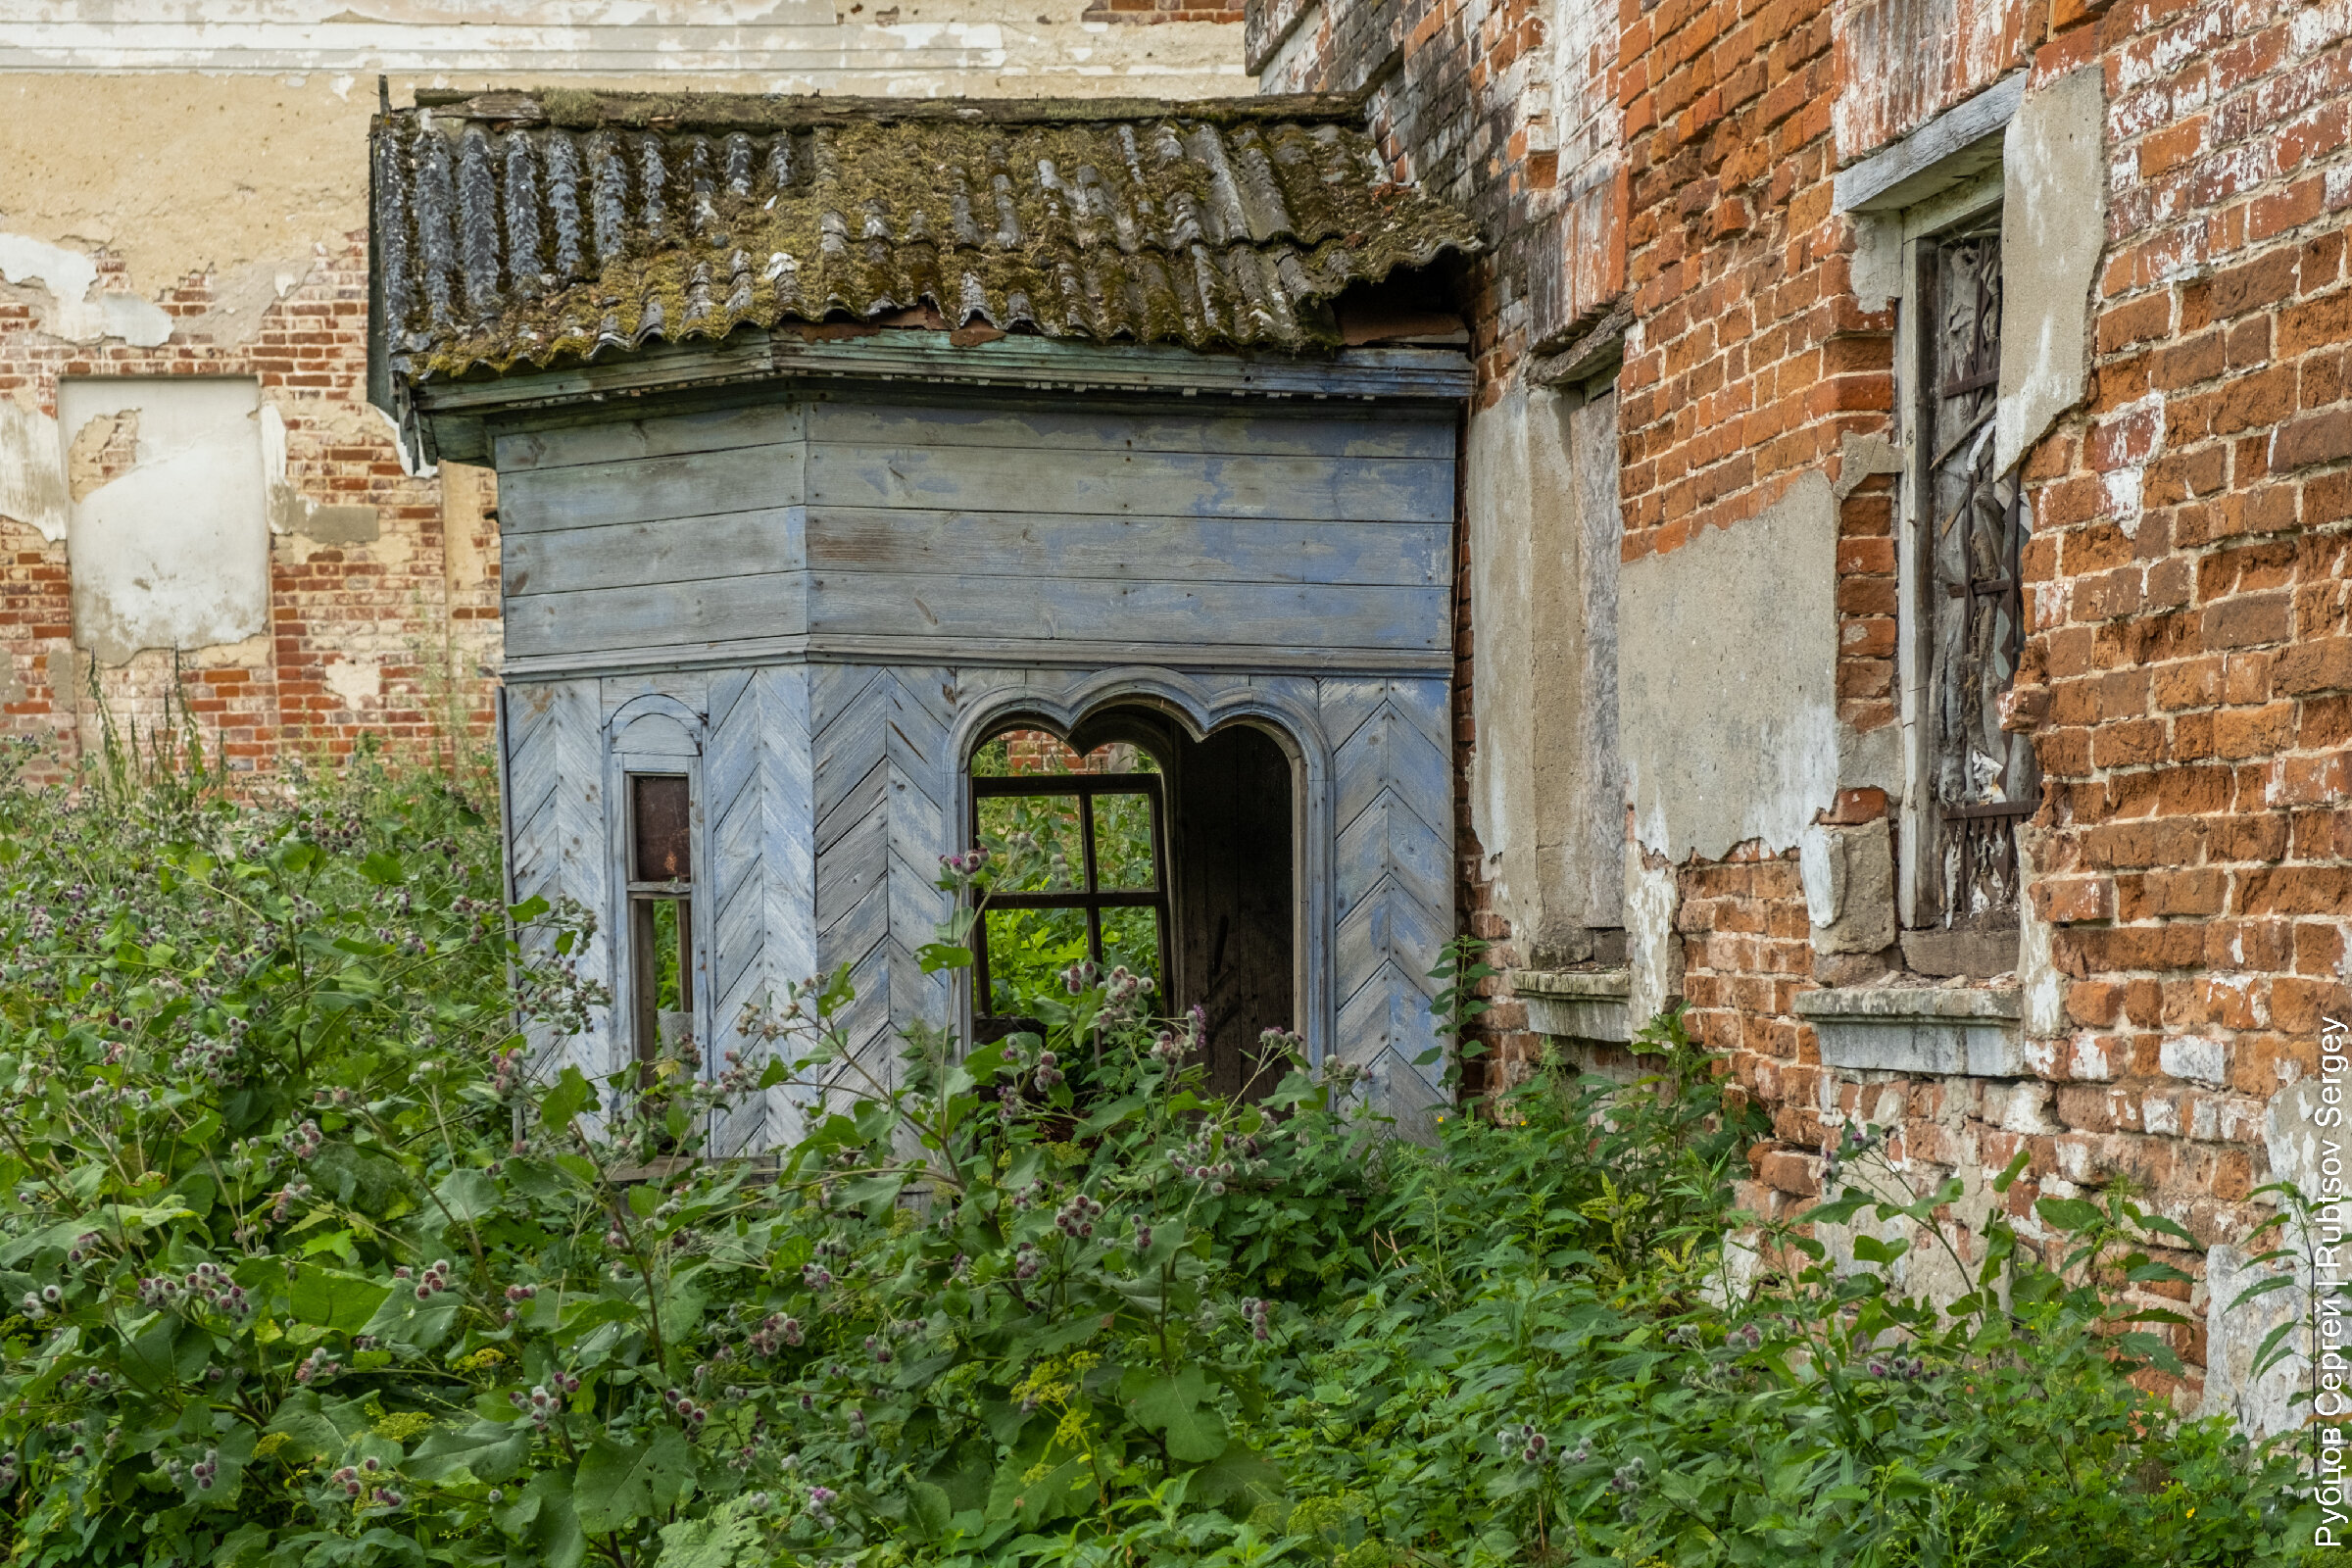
point(1079, 876)
point(1983, 780)
point(660, 915)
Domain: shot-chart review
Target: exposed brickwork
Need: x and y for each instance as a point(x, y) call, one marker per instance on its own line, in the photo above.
point(1152, 11)
point(385, 637)
point(2191, 625)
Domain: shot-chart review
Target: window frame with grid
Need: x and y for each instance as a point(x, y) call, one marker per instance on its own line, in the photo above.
point(1090, 897)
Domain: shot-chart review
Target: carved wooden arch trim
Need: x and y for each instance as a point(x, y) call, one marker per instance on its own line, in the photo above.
point(1203, 705)
point(654, 732)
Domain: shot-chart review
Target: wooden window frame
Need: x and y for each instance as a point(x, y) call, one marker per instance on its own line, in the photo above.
point(640, 897)
point(1977, 833)
point(1089, 896)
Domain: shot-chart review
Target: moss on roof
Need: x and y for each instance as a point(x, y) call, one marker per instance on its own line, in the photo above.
point(518, 229)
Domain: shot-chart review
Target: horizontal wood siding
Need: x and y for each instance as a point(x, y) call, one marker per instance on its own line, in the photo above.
point(587, 495)
point(584, 438)
point(732, 544)
point(1073, 549)
point(1137, 428)
point(1113, 483)
point(1170, 614)
point(682, 615)
point(949, 531)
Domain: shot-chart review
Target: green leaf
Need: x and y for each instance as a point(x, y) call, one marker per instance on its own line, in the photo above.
point(468, 1195)
point(383, 868)
point(545, 1518)
point(485, 1450)
point(334, 1299)
point(937, 956)
point(618, 1486)
point(875, 1193)
point(1870, 1249)
point(308, 1434)
point(929, 1504)
point(2068, 1213)
point(2013, 1171)
point(1172, 1408)
point(571, 1095)
point(719, 1540)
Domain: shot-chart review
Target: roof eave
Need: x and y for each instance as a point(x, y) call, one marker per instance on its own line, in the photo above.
point(451, 412)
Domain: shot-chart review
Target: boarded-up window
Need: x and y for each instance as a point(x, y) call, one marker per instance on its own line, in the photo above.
point(1982, 780)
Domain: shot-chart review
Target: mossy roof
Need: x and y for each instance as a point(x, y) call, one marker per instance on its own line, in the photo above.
point(515, 230)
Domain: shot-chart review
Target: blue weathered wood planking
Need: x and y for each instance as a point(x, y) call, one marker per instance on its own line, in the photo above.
point(1171, 613)
point(642, 617)
point(1075, 549)
point(589, 495)
point(843, 593)
point(1427, 435)
point(830, 791)
point(664, 550)
point(1100, 479)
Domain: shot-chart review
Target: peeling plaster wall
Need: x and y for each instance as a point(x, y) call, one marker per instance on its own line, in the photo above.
point(1727, 697)
point(2053, 228)
point(171, 551)
point(182, 193)
point(1545, 798)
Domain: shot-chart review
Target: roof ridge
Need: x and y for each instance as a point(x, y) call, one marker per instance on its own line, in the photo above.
point(583, 109)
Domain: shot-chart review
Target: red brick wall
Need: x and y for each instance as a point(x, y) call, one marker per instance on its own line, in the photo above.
point(419, 612)
point(2188, 563)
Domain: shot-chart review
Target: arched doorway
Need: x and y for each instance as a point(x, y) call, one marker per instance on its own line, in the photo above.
point(1132, 843)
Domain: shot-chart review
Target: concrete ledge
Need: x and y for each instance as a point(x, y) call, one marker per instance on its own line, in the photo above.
point(1961, 141)
point(1577, 1004)
point(1943, 1030)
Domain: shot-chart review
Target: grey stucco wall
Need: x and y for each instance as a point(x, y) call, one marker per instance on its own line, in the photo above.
point(1727, 695)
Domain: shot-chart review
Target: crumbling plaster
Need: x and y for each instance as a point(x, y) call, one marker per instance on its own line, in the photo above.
point(1727, 694)
point(191, 166)
point(2053, 230)
point(32, 470)
point(168, 544)
point(1545, 801)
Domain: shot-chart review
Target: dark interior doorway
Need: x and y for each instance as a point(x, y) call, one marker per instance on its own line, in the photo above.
point(1194, 840)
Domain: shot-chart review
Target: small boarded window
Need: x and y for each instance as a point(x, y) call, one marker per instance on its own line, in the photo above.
point(660, 912)
point(1983, 780)
point(1079, 872)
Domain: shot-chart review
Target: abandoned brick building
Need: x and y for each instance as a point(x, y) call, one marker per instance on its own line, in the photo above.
point(1898, 555)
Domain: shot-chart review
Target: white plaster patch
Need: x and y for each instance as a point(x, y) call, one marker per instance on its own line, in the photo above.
point(175, 552)
point(2293, 1140)
point(2041, 987)
point(2089, 1059)
point(358, 682)
point(32, 470)
point(1654, 947)
point(69, 275)
point(2053, 227)
point(2234, 1337)
point(2197, 1060)
point(1727, 687)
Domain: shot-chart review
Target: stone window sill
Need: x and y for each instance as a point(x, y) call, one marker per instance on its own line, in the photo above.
point(1576, 1003)
point(1947, 1031)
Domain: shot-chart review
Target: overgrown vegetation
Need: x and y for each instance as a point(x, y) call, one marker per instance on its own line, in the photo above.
point(307, 1266)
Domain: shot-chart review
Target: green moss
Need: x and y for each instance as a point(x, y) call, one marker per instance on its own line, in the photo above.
point(1346, 226)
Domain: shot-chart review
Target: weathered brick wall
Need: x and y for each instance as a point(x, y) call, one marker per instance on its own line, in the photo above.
point(2187, 566)
point(2186, 571)
point(1478, 101)
point(204, 196)
point(380, 634)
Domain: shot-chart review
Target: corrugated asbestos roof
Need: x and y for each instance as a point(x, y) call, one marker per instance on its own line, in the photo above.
point(513, 230)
